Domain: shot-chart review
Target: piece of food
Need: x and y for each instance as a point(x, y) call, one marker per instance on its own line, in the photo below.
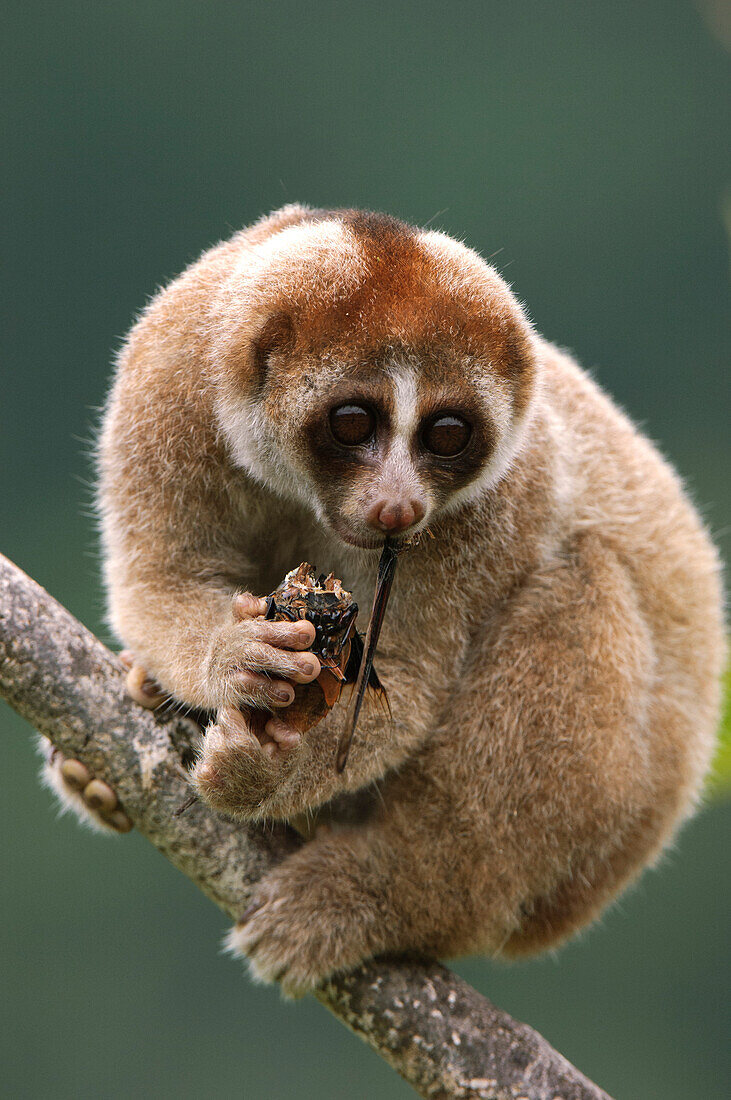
point(332, 611)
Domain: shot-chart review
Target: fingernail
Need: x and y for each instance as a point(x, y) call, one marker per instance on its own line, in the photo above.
point(284, 695)
point(151, 688)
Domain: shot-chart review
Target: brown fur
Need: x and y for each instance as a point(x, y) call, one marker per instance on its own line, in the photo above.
point(552, 656)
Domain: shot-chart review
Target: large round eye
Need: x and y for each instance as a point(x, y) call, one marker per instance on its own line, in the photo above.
point(446, 435)
point(352, 425)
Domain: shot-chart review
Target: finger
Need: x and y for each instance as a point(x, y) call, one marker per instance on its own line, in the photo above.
point(143, 689)
point(282, 734)
point(235, 726)
point(127, 657)
point(100, 796)
point(247, 606)
point(284, 663)
point(230, 721)
point(118, 820)
point(285, 635)
point(263, 690)
point(76, 774)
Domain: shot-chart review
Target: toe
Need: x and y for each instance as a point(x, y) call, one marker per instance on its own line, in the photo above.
point(282, 734)
point(100, 796)
point(117, 820)
point(76, 774)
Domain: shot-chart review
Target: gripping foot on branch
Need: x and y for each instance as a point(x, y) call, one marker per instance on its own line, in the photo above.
point(93, 801)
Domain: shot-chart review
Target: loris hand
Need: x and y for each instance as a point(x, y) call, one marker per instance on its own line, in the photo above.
point(254, 663)
point(241, 763)
point(252, 668)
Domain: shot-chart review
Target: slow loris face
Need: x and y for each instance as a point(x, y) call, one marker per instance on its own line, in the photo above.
point(379, 374)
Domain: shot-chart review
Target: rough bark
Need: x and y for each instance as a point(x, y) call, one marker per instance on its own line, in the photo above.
point(442, 1036)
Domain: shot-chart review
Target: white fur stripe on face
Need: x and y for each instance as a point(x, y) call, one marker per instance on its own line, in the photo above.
point(399, 469)
point(406, 403)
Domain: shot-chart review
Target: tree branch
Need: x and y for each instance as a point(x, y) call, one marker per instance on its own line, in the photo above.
point(442, 1036)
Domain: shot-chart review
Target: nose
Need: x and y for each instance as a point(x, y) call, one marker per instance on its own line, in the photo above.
point(394, 516)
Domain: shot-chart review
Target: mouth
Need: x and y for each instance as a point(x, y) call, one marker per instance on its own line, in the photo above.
point(363, 543)
point(363, 540)
point(375, 541)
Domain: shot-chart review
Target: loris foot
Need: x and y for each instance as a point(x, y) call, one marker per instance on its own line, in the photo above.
point(92, 800)
point(244, 757)
point(306, 922)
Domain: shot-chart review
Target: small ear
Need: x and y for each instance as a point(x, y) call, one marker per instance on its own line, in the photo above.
point(276, 336)
point(510, 344)
point(518, 363)
point(516, 353)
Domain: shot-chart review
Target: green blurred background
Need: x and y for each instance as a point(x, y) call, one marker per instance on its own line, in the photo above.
point(583, 143)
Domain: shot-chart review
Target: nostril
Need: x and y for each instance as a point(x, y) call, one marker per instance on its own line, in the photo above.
point(394, 515)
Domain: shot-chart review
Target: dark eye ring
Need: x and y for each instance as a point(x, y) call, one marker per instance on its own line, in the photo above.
point(352, 425)
point(446, 435)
